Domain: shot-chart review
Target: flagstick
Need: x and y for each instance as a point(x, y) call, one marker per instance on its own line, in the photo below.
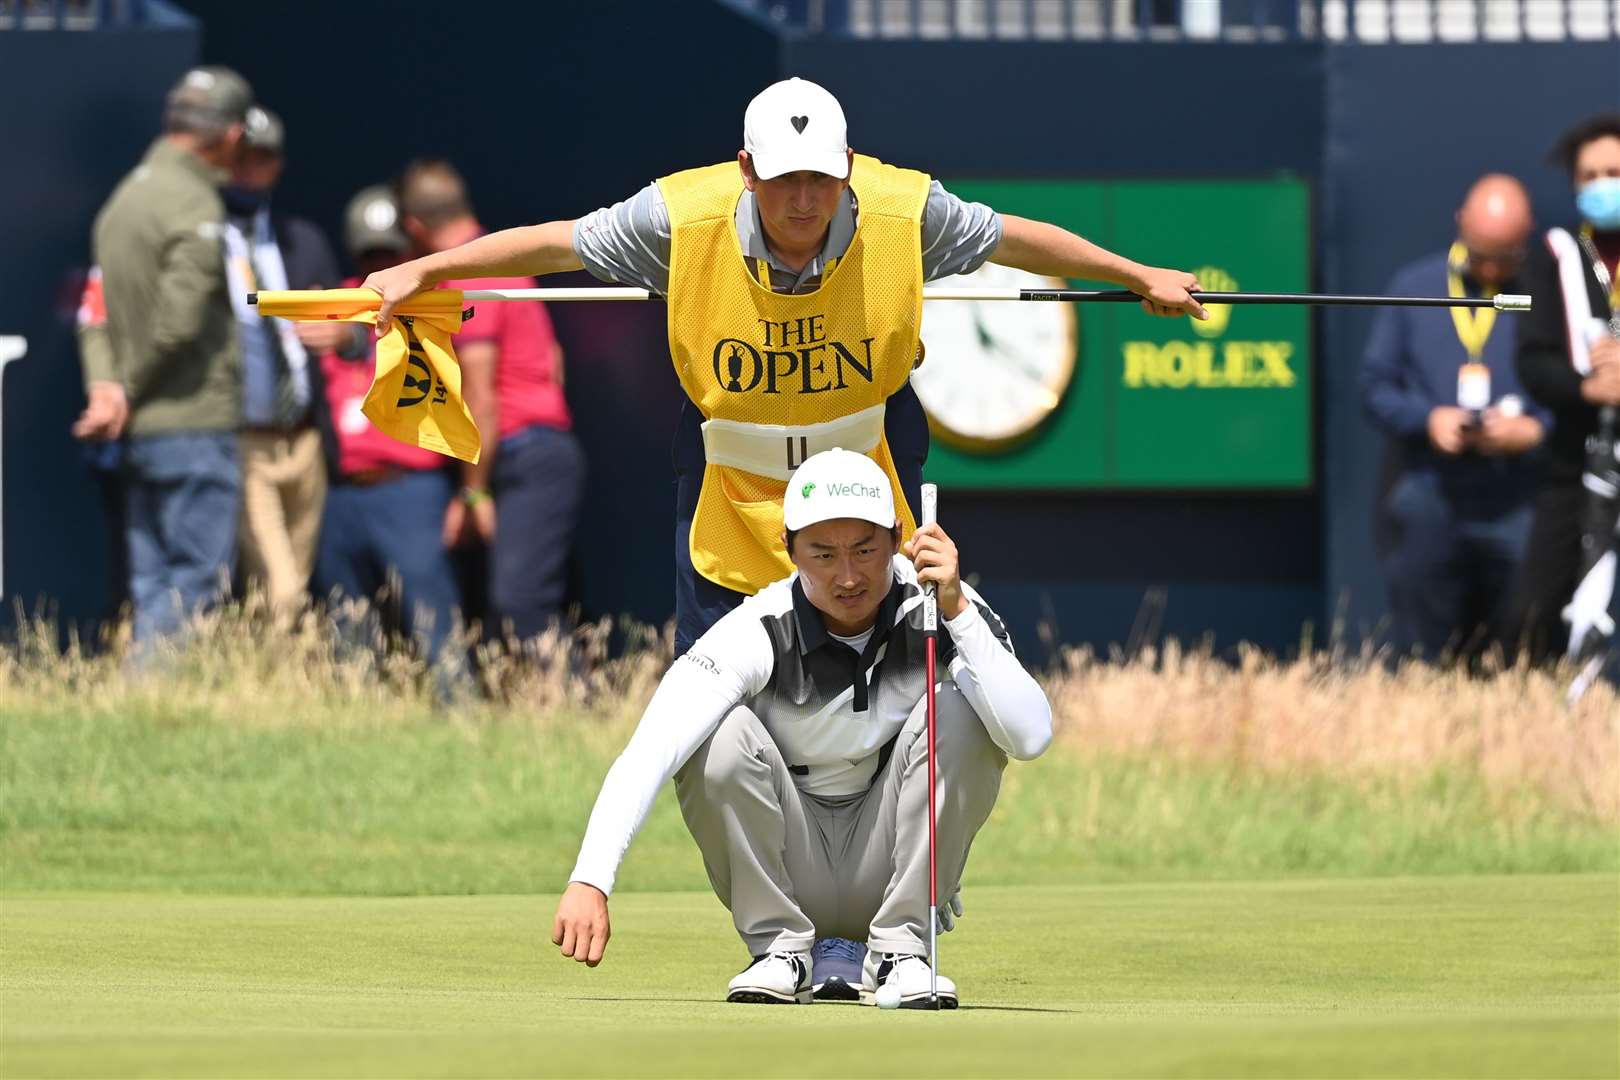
point(1501, 302)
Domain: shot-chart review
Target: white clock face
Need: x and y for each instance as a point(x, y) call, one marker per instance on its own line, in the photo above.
point(994, 369)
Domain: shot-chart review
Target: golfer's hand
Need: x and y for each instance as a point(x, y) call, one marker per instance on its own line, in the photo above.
point(949, 912)
point(1448, 429)
point(1169, 292)
point(581, 928)
point(395, 285)
point(934, 556)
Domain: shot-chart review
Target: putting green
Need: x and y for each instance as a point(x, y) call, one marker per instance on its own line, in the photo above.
point(1479, 976)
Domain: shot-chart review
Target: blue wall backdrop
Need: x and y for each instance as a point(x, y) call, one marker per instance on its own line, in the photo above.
point(81, 109)
point(556, 109)
point(1408, 129)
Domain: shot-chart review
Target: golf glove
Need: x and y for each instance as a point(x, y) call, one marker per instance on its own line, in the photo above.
point(949, 912)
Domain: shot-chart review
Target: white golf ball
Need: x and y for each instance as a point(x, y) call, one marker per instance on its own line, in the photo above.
point(888, 997)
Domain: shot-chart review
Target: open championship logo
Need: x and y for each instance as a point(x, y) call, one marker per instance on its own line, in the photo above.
point(425, 383)
point(422, 384)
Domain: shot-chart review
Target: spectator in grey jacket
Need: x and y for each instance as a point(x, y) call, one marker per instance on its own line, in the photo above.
point(163, 370)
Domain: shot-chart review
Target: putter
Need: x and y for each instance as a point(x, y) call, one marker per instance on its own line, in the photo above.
point(930, 514)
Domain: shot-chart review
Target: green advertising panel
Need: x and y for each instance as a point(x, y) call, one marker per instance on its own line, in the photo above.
point(1107, 396)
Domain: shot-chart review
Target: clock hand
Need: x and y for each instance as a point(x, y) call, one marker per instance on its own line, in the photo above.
point(1017, 362)
point(990, 344)
point(985, 340)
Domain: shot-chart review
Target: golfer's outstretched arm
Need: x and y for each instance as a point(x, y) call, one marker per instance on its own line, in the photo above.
point(1046, 249)
point(527, 251)
point(684, 711)
point(727, 664)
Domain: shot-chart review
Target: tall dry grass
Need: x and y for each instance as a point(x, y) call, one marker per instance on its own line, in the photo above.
point(242, 665)
point(1318, 715)
point(1356, 719)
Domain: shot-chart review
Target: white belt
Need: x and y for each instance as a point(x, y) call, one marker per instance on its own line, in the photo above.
point(775, 450)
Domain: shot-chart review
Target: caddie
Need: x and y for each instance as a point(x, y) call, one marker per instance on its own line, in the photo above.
point(794, 280)
point(796, 732)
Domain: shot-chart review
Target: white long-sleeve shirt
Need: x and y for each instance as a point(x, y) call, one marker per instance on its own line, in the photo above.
point(830, 710)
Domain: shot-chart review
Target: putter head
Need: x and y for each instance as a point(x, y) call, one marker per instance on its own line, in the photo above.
point(1511, 302)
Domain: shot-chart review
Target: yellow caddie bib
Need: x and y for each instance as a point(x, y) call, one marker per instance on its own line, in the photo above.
point(777, 376)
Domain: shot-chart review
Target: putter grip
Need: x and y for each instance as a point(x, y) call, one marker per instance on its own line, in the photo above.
point(929, 515)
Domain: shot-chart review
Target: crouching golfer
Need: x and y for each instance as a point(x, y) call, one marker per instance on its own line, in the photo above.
point(796, 732)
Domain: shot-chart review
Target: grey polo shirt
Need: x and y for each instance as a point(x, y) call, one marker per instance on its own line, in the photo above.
point(629, 241)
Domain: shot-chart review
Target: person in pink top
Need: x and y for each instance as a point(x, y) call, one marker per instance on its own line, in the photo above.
point(385, 507)
point(522, 499)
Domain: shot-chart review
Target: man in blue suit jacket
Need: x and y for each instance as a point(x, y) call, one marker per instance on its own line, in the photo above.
point(1441, 383)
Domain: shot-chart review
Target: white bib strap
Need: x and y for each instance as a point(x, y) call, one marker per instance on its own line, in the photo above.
point(775, 450)
point(1582, 326)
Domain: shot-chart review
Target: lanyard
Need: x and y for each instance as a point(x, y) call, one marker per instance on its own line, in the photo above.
point(1600, 270)
point(1474, 325)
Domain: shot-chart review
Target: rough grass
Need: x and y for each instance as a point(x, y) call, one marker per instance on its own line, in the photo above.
point(260, 760)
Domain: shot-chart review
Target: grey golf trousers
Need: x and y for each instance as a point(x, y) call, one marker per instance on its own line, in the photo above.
point(793, 867)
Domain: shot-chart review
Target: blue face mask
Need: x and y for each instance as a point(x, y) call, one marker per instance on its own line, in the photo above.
point(1599, 202)
point(241, 202)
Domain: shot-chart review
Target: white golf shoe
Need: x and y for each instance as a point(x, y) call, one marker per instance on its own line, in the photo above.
point(910, 974)
point(774, 979)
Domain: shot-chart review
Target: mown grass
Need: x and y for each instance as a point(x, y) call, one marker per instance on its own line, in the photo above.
point(1396, 977)
point(319, 803)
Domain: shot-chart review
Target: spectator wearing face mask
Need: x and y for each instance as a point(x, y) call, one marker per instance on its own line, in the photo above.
point(1569, 360)
point(283, 475)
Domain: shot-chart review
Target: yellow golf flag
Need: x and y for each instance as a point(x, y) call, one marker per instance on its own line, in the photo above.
point(415, 395)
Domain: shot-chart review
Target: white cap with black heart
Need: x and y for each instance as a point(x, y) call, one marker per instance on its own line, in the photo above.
point(838, 483)
point(795, 125)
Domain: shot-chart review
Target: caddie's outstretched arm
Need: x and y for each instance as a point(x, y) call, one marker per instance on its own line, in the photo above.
point(1046, 249)
point(527, 251)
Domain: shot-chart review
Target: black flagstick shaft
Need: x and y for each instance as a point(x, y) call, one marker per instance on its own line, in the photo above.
point(1503, 303)
point(1314, 299)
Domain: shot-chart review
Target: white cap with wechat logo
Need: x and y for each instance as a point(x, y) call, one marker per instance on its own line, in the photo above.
point(838, 484)
point(795, 125)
